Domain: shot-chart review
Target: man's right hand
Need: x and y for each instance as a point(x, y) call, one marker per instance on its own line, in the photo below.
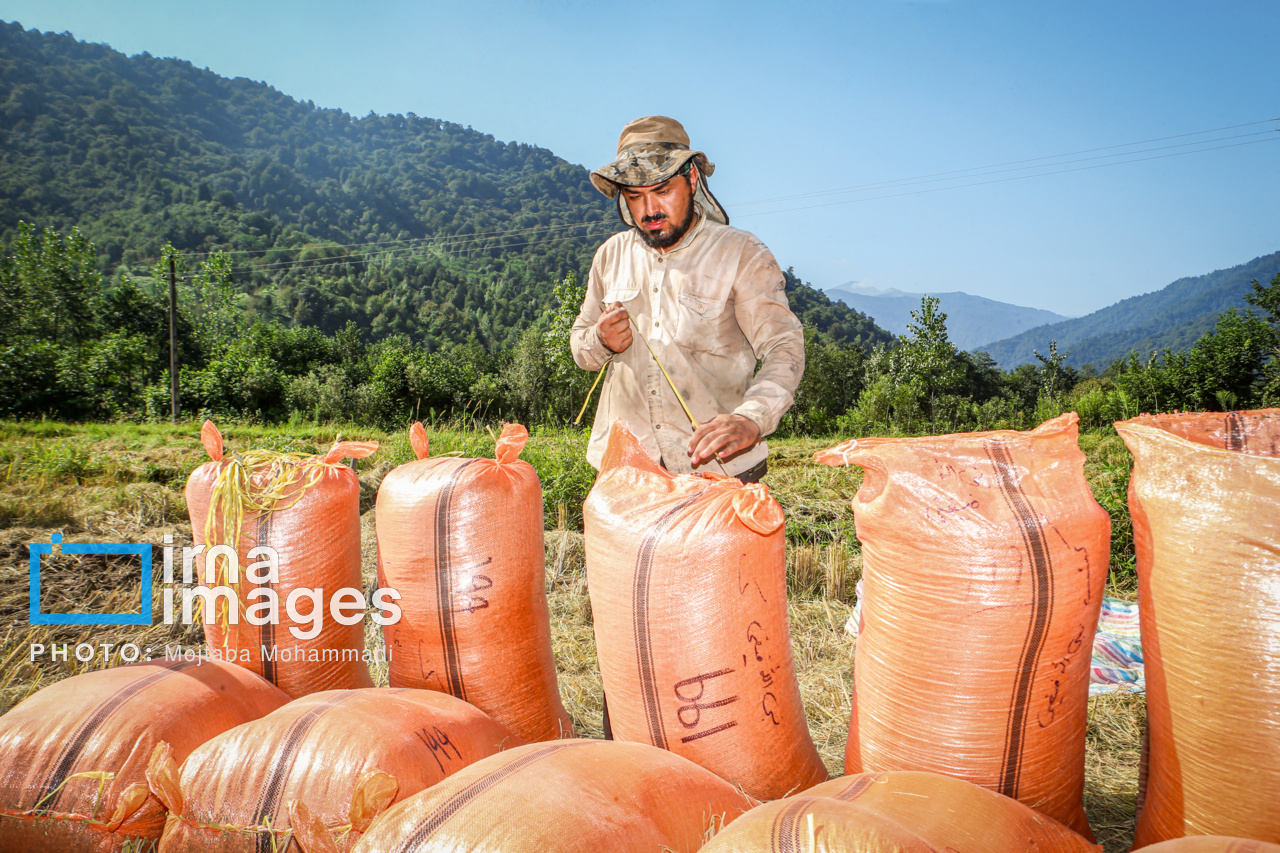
point(614, 328)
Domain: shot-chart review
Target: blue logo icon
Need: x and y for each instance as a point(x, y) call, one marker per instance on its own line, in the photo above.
point(115, 548)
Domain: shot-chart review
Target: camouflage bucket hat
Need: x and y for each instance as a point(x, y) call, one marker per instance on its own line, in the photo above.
point(651, 150)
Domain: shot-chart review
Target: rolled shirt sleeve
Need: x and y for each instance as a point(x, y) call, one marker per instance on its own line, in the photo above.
point(776, 338)
point(589, 352)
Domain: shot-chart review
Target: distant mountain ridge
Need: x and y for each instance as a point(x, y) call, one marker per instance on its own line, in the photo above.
point(971, 320)
point(1172, 317)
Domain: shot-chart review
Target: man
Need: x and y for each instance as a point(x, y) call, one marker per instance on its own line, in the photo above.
point(707, 298)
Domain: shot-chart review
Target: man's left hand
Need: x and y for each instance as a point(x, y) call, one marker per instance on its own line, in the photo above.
point(727, 435)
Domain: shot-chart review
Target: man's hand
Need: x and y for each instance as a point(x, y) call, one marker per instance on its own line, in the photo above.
point(614, 328)
point(727, 435)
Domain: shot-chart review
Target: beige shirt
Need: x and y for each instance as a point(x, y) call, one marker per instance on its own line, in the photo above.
point(710, 307)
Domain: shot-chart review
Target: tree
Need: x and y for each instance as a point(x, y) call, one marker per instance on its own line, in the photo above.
point(832, 381)
point(49, 287)
point(1054, 378)
point(568, 384)
point(926, 357)
point(1268, 299)
point(1223, 365)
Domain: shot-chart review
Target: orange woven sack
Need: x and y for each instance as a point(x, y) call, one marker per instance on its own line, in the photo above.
point(687, 577)
point(984, 563)
point(898, 812)
point(308, 510)
point(461, 540)
point(1205, 502)
point(321, 769)
point(571, 796)
point(1212, 844)
point(74, 757)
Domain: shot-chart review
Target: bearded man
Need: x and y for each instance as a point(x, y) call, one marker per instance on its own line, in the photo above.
point(709, 301)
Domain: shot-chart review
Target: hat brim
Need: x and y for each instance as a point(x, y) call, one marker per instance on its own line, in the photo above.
point(646, 165)
point(653, 163)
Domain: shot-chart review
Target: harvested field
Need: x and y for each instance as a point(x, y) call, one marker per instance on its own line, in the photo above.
point(108, 483)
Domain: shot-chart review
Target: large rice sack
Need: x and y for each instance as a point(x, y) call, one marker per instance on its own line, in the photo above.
point(568, 796)
point(984, 563)
point(75, 757)
point(461, 541)
point(687, 577)
point(322, 768)
point(308, 510)
point(1212, 844)
point(1205, 502)
point(898, 812)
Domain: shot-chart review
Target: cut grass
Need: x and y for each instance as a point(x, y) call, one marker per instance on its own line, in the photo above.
point(124, 483)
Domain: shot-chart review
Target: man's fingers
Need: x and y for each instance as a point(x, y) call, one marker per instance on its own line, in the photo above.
point(725, 435)
point(710, 439)
point(614, 328)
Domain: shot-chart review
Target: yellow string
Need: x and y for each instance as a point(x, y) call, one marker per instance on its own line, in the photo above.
point(665, 375)
point(234, 493)
point(599, 376)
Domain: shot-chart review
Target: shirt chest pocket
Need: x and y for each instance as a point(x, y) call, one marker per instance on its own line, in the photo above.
point(698, 320)
point(620, 294)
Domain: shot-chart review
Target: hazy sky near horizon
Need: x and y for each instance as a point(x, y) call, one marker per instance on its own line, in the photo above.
point(1051, 155)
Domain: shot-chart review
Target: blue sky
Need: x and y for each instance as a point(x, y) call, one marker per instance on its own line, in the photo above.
point(794, 103)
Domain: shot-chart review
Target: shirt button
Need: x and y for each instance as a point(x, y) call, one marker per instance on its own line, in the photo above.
point(653, 393)
point(655, 325)
point(657, 426)
point(655, 290)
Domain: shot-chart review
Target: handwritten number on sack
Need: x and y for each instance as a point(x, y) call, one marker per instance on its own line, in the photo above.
point(466, 600)
point(690, 713)
point(439, 744)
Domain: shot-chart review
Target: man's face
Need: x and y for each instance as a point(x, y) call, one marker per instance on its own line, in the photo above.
point(663, 212)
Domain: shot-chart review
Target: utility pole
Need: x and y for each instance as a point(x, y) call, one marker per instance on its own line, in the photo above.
point(173, 338)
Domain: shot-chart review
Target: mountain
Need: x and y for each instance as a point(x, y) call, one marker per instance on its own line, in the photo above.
point(971, 320)
point(1172, 317)
point(400, 224)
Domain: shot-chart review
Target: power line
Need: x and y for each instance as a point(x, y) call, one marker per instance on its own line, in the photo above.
point(980, 172)
point(463, 241)
point(406, 240)
point(1006, 180)
point(455, 244)
point(958, 172)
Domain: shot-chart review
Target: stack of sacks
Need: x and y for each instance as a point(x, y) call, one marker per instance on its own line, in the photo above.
point(320, 770)
point(687, 576)
point(572, 796)
point(76, 758)
point(984, 563)
point(1203, 497)
point(461, 541)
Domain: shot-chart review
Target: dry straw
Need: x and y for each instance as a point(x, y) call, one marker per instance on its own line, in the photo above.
point(254, 484)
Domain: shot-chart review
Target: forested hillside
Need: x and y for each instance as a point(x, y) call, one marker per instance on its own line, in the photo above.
point(1173, 318)
point(457, 236)
point(462, 234)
